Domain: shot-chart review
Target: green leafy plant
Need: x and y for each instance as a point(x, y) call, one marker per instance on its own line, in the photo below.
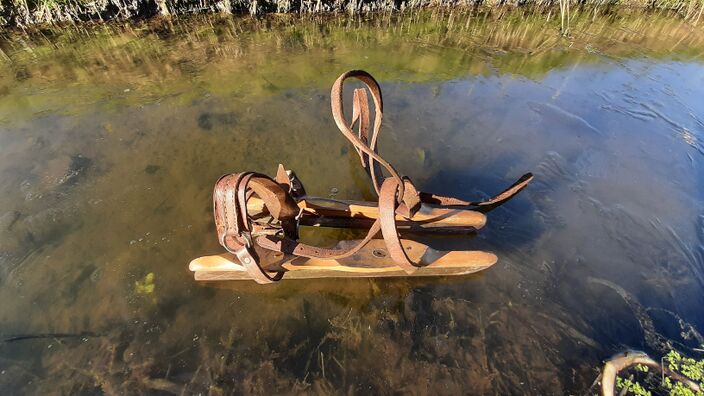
point(677, 375)
point(632, 387)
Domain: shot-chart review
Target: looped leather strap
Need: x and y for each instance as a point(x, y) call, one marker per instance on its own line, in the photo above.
point(248, 258)
point(368, 148)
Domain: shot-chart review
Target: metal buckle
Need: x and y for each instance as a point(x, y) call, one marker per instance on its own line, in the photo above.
point(247, 239)
point(298, 217)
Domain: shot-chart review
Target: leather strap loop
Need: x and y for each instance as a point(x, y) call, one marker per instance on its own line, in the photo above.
point(251, 264)
point(346, 128)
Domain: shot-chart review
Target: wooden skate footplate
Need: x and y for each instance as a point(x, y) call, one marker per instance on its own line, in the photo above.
point(371, 261)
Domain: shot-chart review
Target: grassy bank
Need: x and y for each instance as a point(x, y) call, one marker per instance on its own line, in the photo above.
point(189, 57)
point(23, 13)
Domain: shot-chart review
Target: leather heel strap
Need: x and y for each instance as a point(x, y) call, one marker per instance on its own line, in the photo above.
point(234, 225)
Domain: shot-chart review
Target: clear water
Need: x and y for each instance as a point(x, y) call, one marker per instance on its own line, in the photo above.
point(112, 137)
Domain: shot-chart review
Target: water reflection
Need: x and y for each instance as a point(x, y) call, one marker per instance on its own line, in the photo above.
point(112, 137)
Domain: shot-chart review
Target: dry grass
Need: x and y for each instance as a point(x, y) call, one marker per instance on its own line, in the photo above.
point(23, 13)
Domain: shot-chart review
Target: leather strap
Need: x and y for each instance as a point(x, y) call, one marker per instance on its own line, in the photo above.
point(251, 264)
point(224, 206)
point(291, 246)
point(483, 206)
point(346, 128)
point(387, 216)
point(282, 178)
point(360, 112)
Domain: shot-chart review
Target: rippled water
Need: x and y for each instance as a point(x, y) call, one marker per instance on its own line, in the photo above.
point(112, 137)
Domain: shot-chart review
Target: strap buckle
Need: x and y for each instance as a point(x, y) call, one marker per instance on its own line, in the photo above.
point(298, 217)
point(247, 236)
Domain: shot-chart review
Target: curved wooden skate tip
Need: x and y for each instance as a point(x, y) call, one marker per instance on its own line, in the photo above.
point(371, 261)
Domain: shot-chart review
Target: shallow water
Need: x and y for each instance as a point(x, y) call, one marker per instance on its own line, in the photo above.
point(112, 137)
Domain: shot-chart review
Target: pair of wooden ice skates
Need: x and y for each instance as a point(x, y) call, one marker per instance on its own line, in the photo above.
point(257, 217)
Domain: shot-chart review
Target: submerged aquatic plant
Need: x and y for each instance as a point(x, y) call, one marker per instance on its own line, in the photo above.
point(146, 285)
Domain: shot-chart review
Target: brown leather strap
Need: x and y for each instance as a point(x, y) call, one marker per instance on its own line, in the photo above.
point(248, 260)
point(291, 246)
point(224, 206)
point(346, 128)
point(290, 182)
point(360, 113)
point(387, 216)
point(282, 178)
point(484, 206)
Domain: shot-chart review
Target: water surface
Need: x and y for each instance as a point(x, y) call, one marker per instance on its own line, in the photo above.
point(112, 137)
